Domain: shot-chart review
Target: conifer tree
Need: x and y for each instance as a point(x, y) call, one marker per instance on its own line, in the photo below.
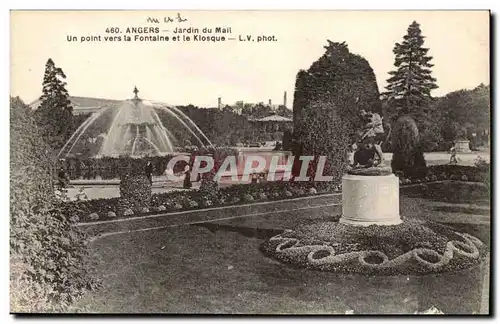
point(55, 114)
point(409, 87)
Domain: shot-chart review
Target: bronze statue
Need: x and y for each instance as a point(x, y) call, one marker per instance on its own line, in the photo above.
point(370, 139)
point(368, 154)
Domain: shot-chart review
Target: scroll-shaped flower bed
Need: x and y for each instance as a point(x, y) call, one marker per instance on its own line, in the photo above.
point(412, 247)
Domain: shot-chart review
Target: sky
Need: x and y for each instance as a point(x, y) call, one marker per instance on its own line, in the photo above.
point(182, 73)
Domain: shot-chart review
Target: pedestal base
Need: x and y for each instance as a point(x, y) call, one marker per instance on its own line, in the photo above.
point(462, 147)
point(370, 200)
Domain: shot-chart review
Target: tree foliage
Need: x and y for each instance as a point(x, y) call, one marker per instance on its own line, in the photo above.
point(328, 97)
point(55, 113)
point(465, 112)
point(338, 76)
point(410, 85)
point(49, 266)
point(223, 127)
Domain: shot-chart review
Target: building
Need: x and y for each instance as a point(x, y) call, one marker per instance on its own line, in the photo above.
point(88, 105)
point(271, 128)
point(83, 105)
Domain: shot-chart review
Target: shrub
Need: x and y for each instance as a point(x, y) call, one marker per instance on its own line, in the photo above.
point(135, 189)
point(50, 266)
point(248, 198)
point(328, 97)
point(407, 156)
point(190, 203)
point(209, 188)
point(483, 167)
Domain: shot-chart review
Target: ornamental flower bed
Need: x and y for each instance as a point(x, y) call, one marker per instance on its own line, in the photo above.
point(107, 209)
point(411, 248)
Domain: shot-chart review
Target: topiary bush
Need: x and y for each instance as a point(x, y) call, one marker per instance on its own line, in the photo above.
point(407, 156)
point(209, 188)
point(50, 264)
point(328, 97)
point(135, 189)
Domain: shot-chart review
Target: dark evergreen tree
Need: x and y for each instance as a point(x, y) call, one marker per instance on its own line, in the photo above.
point(287, 140)
point(328, 97)
point(55, 113)
point(409, 87)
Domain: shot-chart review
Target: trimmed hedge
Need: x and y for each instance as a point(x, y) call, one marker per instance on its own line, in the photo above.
point(109, 167)
point(135, 192)
point(50, 265)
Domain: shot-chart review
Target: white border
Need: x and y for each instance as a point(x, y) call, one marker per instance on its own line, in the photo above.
point(185, 4)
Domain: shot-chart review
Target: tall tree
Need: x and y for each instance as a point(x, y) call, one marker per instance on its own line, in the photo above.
point(328, 97)
point(55, 114)
point(410, 85)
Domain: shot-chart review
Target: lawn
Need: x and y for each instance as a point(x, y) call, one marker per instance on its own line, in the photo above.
point(217, 267)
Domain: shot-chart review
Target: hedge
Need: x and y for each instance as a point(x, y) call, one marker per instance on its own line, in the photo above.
point(50, 264)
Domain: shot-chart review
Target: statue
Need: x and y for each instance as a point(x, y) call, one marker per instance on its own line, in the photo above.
point(368, 154)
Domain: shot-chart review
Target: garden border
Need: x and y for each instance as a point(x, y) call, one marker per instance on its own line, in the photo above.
point(200, 210)
point(117, 220)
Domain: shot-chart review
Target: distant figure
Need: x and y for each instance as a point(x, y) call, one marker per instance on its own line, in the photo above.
point(187, 179)
point(255, 177)
point(149, 171)
point(453, 155)
point(62, 177)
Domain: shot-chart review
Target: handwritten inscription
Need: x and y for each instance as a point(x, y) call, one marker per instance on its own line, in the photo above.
point(177, 18)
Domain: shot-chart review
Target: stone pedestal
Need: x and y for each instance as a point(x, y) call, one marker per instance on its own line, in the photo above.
point(462, 146)
point(370, 200)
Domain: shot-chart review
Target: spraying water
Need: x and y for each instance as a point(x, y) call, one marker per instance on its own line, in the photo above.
point(134, 129)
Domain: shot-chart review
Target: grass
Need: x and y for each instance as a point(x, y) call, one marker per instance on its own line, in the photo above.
point(218, 268)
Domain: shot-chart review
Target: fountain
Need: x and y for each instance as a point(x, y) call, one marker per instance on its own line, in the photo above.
point(133, 129)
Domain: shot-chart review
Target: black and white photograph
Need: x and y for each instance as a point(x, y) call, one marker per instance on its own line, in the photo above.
point(250, 162)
